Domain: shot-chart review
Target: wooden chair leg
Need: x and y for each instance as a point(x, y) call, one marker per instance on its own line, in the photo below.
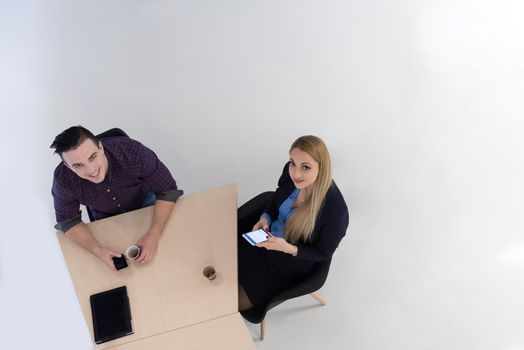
point(262, 329)
point(263, 323)
point(318, 298)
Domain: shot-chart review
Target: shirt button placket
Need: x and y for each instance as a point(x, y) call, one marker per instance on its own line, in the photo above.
point(114, 199)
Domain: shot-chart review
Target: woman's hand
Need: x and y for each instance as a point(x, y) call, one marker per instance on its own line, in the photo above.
point(261, 224)
point(279, 244)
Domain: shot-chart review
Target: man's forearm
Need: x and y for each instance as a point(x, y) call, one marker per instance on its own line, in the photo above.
point(82, 235)
point(162, 213)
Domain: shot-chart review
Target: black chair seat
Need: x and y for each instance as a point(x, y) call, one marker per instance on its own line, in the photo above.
point(310, 284)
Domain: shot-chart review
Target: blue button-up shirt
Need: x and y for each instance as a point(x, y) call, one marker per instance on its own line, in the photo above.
point(284, 213)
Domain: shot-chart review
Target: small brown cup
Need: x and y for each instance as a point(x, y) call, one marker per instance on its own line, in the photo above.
point(209, 273)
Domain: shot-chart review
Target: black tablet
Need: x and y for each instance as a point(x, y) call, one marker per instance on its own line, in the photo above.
point(111, 314)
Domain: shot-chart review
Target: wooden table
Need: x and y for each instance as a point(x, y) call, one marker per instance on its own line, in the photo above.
point(172, 303)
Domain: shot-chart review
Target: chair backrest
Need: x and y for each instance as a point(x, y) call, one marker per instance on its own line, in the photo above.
point(313, 282)
point(111, 133)
point(108, 133)
point(249, 213)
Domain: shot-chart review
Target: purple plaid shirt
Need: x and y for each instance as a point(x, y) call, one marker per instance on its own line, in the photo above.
point(134, 171)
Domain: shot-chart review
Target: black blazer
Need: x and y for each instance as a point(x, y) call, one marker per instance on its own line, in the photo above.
point(331, 224)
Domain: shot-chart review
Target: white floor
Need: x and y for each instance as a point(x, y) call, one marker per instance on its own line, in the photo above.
point(419, 101)
point(387, 301)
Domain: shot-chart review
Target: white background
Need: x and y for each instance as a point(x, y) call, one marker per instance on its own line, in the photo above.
point(420, 103)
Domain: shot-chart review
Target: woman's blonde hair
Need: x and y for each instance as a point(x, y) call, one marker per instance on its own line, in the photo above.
point(302, 222)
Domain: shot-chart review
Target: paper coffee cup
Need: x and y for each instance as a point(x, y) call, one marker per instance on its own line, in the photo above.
point(133, 252)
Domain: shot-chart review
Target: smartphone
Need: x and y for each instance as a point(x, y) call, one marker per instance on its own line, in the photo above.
point(256, 237)
point(120, 262)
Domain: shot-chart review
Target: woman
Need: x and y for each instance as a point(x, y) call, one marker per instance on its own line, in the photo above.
point(307, 216)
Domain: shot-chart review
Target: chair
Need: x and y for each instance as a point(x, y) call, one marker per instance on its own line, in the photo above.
point(112, 133)
point(249, 214)
point(108, 133)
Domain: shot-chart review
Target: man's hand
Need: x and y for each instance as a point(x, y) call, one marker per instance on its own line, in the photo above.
point(106, 255)
point(279, 244)
point(82, 235)
point(149, 244)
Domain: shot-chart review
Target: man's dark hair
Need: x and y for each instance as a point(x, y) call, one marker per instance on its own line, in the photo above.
point(71, 138)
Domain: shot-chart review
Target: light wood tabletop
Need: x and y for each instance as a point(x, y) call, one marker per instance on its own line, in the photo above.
point(170, 293)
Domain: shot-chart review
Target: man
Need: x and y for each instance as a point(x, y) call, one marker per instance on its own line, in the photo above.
point(110, 176)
